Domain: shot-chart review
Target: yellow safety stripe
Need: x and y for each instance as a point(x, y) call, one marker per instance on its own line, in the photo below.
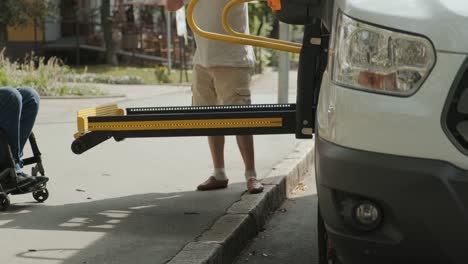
point(228, 28)
point(186, 124)
point(236, 39)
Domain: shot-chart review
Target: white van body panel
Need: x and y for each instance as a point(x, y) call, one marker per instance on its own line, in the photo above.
point(404, 126)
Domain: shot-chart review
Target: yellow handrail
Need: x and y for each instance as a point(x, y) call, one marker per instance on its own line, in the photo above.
point(229, 29)
point(236, 39)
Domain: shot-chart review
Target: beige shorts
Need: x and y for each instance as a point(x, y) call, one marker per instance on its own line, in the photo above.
point(221, 85)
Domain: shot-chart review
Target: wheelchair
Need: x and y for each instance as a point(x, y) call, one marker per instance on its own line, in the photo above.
point(8, 172)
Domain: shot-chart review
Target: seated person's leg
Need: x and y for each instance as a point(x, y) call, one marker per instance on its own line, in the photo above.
point(11, 120)
point(10, 114)
point(30, 107)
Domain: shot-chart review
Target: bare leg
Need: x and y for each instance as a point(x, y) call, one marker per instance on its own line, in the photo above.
point(217, 150)
point(204, 93)
point(246, 147)
point(219, 179)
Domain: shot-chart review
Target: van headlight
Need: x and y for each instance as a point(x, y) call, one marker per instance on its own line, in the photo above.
point(375, 59)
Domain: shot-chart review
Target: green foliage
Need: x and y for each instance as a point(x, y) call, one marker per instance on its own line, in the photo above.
point(262, 60)
point(47, 77)
point(3, 78)
point(134, 74)
point(68, 90)
point(162, 74)
point(261, 21)
point(102, 78)
point(13, 12)
point(21, 12)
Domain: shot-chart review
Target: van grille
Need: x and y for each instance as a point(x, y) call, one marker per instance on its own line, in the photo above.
point(456, 117)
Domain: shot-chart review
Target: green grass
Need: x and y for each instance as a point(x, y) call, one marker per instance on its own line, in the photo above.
point(46, 77)
point(145, 73)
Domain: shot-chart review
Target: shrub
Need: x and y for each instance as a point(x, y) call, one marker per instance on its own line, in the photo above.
point(102, 78)
point(3, 78)
point(47, 77)
point(162, 74)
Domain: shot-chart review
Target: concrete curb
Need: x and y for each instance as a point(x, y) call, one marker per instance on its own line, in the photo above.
point(245, 218)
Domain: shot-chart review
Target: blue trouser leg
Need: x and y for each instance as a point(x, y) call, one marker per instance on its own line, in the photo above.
point(30, 101)
point(18, 111)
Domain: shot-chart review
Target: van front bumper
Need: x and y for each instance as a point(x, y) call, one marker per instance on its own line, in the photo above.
point(424, 205)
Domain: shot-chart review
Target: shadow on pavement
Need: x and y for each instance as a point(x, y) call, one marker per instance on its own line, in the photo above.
point(147, 228)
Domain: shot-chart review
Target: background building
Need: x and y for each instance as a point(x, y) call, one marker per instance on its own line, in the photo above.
point(74, 33)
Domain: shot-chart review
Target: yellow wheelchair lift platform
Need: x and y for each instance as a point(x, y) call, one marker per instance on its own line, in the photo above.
point(96, 125)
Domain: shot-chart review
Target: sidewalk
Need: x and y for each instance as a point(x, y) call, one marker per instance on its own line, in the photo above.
point(132, 201)
point(295, 221)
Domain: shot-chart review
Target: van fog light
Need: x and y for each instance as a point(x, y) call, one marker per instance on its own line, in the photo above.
point(367, 214)
point(361, 214)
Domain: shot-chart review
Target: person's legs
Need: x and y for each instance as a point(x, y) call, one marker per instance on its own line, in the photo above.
point(216, 144)
point(219, 179)
point(203, 93)
point(246, 147)
point(232, 85)
point(30, 108)
point(30, 103)
point(10, 115)
point(18, 111)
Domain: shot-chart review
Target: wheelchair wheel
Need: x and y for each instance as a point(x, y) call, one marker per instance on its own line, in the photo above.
point(41, 195)
point(4, 202)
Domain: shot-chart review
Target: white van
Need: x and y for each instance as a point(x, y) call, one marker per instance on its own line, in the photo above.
point(392, 133)
point(384, 85)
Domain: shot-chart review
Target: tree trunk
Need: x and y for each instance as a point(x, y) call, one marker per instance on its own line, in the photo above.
point(111, 45)
point(274, 33)
point(3, 37)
